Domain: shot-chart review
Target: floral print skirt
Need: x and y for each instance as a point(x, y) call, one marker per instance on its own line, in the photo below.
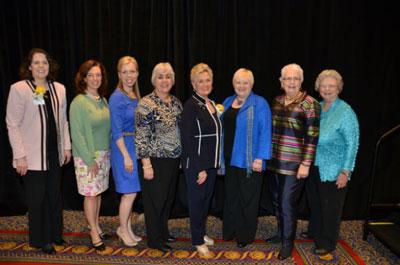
point(89, 185)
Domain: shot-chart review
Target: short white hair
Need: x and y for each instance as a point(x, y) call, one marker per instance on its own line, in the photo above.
point(292, 66)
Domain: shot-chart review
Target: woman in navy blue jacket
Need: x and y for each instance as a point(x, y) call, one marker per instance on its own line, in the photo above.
point(247, 144)
point(201, 141)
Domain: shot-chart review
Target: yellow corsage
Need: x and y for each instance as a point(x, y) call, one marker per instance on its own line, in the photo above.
point(220, 109)
point(38, 95)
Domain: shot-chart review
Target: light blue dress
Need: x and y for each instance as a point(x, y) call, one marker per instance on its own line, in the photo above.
point(122, 112)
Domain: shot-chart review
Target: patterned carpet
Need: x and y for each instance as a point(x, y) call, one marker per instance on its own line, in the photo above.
point(370, 252)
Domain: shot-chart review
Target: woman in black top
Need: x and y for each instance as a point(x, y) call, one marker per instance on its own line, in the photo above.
point(201, 138)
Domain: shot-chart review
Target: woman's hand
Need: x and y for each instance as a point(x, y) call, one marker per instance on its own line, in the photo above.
point(67, 156)
point(22, 166)
point(201, 178)
point(342, 180)
point(257, 165)
point(303, 171)
point(128, 163)
point(148, 173)
point(93, 170)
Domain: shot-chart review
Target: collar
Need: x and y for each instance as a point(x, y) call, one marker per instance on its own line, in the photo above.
point(199, 98)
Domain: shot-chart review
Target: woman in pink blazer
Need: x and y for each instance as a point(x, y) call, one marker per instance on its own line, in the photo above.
point(39, 136)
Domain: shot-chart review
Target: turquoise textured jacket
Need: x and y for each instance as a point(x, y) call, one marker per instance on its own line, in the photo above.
point(338, 140)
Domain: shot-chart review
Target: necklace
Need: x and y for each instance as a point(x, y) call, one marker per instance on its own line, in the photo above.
point(95, 97)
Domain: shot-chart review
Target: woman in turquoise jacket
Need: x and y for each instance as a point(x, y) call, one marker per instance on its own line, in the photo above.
point(335, 159)
point(247, 144)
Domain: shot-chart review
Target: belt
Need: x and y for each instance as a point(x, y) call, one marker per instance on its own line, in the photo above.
point(128, 134)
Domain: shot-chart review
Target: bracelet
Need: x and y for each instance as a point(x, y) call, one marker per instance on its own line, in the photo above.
point(147, 167)
point(304, 164)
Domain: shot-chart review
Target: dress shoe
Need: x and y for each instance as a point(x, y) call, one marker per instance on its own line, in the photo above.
point(104, 236)
point(203, 250)
point(48, 249)
point(321, 251)
point(163, 248)
point(241, 244)
point(284, 253)
point(171, 239)
point(59, 242)
point(208, 240)
point(273, 239)
point(136, 237)
point(99, 246)
point(305, 235)
point(125, 238)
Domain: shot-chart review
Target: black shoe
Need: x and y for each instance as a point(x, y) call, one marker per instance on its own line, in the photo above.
point(164, 248)
point(48, 249)
point(305, 235)
point(99, 246)
point(321, 251)
point(104, 236)
point(59, 242)
point(241, 244)
point(285, 253)
point(273, 240)
point(171, 239)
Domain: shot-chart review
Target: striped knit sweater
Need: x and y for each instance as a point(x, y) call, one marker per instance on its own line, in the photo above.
point(295, 133)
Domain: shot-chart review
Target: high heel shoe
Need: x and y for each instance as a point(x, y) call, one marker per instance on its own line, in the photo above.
point(203, 250)
point(125, 238)
point(104, 236)
point(99, 246)
point(136, 237)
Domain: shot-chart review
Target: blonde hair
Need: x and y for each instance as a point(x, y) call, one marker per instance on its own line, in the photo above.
point(295, 67)
point(158, 68)
point(198, 69)
point(246, 72)
point(125, 60)
point(332, 74)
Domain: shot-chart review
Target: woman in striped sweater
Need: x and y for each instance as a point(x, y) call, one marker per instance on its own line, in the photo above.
point(295, 122)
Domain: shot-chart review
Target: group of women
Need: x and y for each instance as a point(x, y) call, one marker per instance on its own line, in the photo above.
point(146, 140)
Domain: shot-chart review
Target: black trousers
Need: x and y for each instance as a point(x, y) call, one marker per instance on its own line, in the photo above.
point(158, 196)
point(326, 205)
point(286, 191)
point(242, 199)
point(43, 198)
point(199, 199)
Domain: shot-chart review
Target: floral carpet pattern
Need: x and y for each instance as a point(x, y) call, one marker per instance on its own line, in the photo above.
point(13, 245)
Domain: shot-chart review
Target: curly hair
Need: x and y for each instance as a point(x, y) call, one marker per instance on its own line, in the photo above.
point(80, 82)
point(26, 73)
point(332, 74)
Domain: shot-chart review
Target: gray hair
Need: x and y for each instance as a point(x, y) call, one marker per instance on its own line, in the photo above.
point(164, 66)
point(292, 66)
point(332, 74)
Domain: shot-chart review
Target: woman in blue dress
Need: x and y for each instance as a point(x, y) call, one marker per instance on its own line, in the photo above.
point(123, 103)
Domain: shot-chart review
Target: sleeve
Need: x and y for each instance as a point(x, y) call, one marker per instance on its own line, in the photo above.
point(264, 131)
point(67, 138)
point(81, 133)
point(117, 109)
point(351, 134)
point(312, 114)
point(144, 121)
point(14, 119)
point(188, 131)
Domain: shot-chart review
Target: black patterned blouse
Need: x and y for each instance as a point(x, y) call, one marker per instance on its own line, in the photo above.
point(157, 127)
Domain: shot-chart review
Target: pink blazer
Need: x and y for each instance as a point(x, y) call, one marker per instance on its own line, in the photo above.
point(27, 127)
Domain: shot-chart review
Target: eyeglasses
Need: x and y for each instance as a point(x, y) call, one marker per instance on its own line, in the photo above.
point(328, 86)
point(294, 78)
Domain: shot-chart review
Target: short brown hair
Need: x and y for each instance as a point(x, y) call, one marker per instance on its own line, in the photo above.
point(80, 82)
point(26, 73)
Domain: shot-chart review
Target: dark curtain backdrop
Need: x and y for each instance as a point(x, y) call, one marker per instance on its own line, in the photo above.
point(358, 38)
